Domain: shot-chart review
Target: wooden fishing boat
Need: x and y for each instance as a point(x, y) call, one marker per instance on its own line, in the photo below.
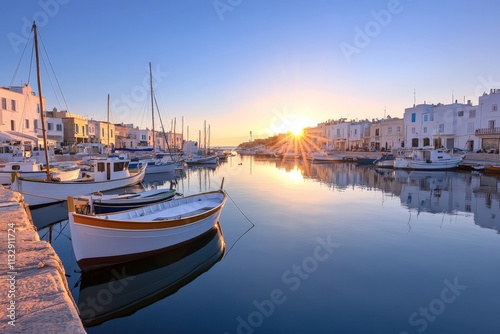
point(100, 203)
point(103, 239)
point(147, 280)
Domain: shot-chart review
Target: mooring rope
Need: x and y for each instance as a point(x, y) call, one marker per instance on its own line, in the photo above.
point(248, 219)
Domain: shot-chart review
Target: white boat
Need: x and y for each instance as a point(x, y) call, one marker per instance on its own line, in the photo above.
point(107, 174)
point(386, 161)
point(154, 278)
point(428, 159)
point(159, 165)
point(104, 239)
point(201, 159)
point(323, 157)
point(33, 169)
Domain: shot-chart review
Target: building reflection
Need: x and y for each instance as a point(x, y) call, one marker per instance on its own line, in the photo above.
point(436, 192)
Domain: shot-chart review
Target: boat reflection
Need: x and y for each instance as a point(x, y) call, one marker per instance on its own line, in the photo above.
point(48, 215)
point(443, 192)
point(121, 290)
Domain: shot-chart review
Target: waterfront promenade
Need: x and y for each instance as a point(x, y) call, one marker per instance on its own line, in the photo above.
point(35, 297)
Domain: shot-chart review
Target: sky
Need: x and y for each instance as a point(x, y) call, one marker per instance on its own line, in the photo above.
point(260, 66)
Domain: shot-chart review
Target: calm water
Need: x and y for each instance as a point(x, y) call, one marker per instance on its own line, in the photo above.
point(335, 248)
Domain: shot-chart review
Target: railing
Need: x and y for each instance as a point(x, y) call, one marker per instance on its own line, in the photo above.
point(488, 131)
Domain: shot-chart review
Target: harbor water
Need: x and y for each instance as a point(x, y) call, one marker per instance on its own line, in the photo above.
point(308, 248)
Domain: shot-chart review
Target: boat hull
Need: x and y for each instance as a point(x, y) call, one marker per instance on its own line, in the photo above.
point(38, 192)
point(106, 239)
point(104, 205)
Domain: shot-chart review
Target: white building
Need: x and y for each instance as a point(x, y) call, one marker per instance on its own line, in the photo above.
point(20, 118)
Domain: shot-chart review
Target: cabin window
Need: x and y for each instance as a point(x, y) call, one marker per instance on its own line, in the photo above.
point(16, 167)
point(101, 167)
point(119, 166)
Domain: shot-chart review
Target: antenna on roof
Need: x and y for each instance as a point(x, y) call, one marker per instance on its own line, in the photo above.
point(414, 97)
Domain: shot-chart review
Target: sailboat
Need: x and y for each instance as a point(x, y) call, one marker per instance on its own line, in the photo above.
point(165, 163)
point(106, 174)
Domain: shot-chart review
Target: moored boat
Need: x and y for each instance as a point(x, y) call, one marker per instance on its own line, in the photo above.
point(104, 239)
point(33, 169)
point(386, 160)
point(427, 159)
point(106, 174)
point(100, 203)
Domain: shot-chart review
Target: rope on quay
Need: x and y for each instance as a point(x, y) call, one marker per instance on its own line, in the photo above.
point(41, 196)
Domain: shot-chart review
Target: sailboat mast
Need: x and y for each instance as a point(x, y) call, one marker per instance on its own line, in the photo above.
point(109, 146)
point(152, 107)
point(44, 132)
point(205, 136)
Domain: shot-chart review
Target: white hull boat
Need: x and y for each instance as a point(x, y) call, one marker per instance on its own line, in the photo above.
point(33, 169)
point(104, 239)
point(106, 175)
point(428, 159)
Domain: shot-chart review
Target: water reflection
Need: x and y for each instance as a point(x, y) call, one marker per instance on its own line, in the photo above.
point(121, 290)
point(448, 192)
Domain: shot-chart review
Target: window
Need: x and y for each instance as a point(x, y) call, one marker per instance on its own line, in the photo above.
point(101, 167)
point(35, 124)
point(441, 128)
point(13, 105)
point(493, 107)
point(27, 123)
point(491, 124)
point(413, 130)
point(12, 125)
point(38, 108)
point(460, 113)
point(59, 127)
point(426, 118)
point(472, 113)
point(111, 133)
point(102, 130)
point(76, 128)
point(50, 127)
point(389, 130)
point(4, 103)
point(413, 117)
point(338, 132)
point(83, 130)
point(425, 129)
point(398, 129)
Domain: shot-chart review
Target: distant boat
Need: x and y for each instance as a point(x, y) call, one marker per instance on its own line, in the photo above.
point(200, 159)
point(386, 160)
point(104, 239)
point(427, 159)
point(147, 280)
point(323, 157)
point(495, 169)
point(364, 161)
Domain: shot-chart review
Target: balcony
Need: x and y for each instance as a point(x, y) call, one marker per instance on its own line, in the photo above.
point(488, 131)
